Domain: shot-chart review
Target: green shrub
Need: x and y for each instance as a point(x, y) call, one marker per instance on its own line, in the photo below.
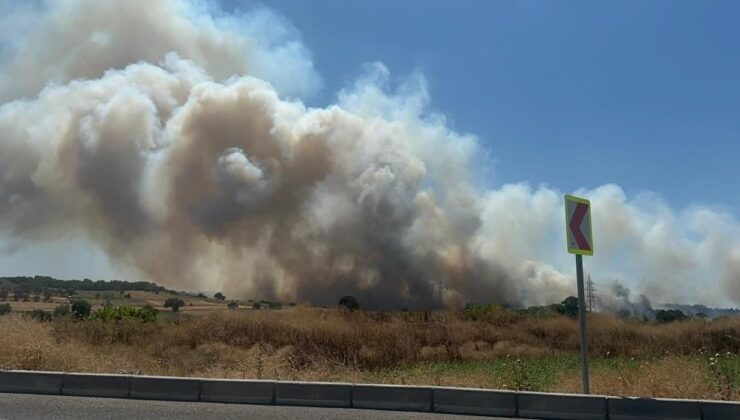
point(233, 305)
point(4, 308)
point(495, 314)
point(117, 313)
point(81, 309)
point(669, 315)
point(569, 307)
point(174, 303)
point(536, 311)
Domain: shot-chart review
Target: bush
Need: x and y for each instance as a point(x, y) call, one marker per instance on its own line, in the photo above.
point(493, 313)
point(569, 307)
point(174, 303)
point(62, 310)
point(233, 305)
point(4, 308)
point(81, 309)
point(669, 315)
point(3, 294)
point(117, 313)
point(219, 296)
point(349, 302)
point(536, 311)
point(476, 312)
point(40, 315)
point(108, 298)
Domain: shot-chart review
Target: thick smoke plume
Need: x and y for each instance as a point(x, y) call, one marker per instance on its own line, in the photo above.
point(169, 133)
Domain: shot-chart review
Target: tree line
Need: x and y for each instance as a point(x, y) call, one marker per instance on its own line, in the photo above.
point(38, 284)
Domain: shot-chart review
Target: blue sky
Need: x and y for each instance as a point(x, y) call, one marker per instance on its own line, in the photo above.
point(569, 94)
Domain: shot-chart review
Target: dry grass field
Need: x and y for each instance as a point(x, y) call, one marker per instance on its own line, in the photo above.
point(688, 359)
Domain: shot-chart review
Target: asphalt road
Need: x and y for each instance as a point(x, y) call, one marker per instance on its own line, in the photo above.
point(43, 407)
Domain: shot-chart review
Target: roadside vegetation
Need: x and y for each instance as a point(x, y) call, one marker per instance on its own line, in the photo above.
point(483, 346)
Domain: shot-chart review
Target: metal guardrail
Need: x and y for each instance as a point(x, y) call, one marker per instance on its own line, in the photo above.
point(384, 397)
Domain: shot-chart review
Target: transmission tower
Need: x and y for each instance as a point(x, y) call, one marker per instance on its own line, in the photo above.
point(590, 294)
point(439, 289)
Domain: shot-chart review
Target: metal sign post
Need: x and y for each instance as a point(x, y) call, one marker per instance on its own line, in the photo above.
point(582, 323)
point(580, 242)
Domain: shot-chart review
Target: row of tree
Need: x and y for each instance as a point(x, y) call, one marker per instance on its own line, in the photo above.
point(568, 307)
point(39, 284)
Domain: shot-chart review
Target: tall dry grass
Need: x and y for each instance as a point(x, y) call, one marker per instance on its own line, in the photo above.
point(308, 343)
point(669, 377)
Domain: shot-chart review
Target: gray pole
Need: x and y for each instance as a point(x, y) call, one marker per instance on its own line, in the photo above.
point(582, 322)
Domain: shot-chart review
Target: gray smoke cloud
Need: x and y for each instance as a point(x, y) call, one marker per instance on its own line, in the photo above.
point(617, 299)
point(170, 134)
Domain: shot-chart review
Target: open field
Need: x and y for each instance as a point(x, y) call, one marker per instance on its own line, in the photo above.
point(136, 298)
point(688, 359)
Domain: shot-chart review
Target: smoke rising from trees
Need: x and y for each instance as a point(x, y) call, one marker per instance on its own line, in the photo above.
point(170, 134)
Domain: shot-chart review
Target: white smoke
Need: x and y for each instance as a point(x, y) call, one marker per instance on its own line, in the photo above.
point(165, 132)
point(54, 42)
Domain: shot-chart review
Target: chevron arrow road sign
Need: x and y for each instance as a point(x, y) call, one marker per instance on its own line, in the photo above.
point(578, 225)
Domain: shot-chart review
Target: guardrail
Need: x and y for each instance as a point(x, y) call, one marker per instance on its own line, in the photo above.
point(384, 397)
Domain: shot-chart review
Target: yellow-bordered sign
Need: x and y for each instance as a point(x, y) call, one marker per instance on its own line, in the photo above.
point(579, 234)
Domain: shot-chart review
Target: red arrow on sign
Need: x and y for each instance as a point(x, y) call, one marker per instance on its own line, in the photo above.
point(575, 226)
